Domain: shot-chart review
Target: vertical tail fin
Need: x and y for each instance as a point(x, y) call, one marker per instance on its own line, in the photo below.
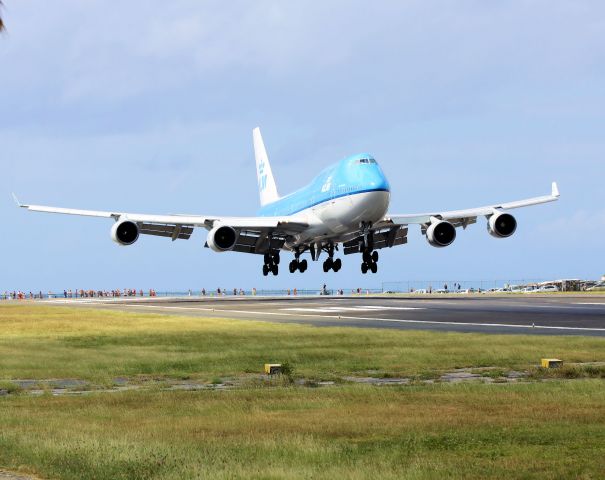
point(266, 183)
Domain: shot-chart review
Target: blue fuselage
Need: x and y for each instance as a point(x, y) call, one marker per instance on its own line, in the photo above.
point(352, 176)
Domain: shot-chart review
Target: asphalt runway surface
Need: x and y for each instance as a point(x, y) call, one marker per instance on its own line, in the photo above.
point(520, 314)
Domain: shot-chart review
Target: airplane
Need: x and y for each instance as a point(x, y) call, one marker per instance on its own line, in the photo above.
point(345, 205)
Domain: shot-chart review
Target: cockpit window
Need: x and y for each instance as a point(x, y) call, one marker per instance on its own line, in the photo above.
point(367, 160)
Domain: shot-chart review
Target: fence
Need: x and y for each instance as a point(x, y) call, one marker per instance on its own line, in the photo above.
point(455, 285)
point(406, 286)
point(187, 293)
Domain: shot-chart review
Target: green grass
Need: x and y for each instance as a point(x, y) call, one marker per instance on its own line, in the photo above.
point(544, 429)
point(95, 345)
point(539, 430)
point(9, 387)
point(569, 371)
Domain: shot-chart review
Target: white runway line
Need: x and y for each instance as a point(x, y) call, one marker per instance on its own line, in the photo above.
point(589, 303)
point(360, 308)
point(342, 317)
point(568, 307)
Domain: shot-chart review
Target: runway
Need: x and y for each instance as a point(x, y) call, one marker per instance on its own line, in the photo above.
point(518, 314)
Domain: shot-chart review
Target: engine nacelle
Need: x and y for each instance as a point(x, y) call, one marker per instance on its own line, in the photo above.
point(125, 232)
point(501, 225)
point(221, 239)
point(441, 234)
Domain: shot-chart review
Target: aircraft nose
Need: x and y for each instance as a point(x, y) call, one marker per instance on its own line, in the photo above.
point(377, 180)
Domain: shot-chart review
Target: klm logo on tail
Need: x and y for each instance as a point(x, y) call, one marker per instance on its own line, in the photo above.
point(266, 183)
point(262, 177)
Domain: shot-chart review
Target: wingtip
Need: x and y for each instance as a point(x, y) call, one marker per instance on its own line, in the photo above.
point(19, 204)
point(555, 190)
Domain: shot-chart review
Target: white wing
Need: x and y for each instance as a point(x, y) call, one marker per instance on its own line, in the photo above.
point(468, 216)
point(254, 233)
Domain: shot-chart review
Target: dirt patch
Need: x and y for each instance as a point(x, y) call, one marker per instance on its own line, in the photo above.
point(70, 386)
point(4, 475)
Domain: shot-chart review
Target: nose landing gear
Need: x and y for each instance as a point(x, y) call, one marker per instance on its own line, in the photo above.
point(330, 263)
point(300, 265)
point(271, 263)
point(297, 264)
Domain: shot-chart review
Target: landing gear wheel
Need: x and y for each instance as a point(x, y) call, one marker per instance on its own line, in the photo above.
point(367, 258)
point(276, 258)
point(337, 265)
point(328, 265)
point(267, 258)
point(265, 270)
point(292, 266)
point(374, 267)
point(302, 266)
point(374, 256)
point(274, 269)
point(364, 268)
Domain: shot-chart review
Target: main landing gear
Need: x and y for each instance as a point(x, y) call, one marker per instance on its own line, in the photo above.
point(370, 257)
point(271, 263)
point(330, 263)
point(370, 261)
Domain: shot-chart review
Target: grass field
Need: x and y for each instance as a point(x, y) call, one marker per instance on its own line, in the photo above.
point(541, 429)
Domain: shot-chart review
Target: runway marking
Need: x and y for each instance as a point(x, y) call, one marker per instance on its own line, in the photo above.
point(361, 308)
point(558, 306)
point(72, 302)
point(591, 303)
point(343, 317)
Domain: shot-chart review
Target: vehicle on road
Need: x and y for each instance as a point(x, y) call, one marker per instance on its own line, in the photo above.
point(345, 208)
point(548, 288)
point(599, 287)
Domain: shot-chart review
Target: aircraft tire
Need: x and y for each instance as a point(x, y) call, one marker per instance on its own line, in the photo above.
point(265, 270)
point(367, 258)
point(274, 269)
point(374, 267)
point(364, 268)
point(276, 258)
point(337, 265)
point(375, 256)
point(293, 266)
point(326, 267)
point(302, 266)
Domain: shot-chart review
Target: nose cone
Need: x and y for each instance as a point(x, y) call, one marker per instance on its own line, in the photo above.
point(375, 179)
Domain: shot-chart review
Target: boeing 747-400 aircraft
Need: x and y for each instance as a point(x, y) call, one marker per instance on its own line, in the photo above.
point(345, 205)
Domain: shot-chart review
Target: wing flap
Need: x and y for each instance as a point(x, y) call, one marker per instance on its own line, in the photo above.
point(382, 239)
point(181, 232)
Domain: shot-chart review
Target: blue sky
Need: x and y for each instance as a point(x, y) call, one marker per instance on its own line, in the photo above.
point(148, 106)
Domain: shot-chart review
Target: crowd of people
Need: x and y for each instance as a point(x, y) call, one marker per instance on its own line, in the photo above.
point(69, 293)
point(132, 292)
point(126, 292)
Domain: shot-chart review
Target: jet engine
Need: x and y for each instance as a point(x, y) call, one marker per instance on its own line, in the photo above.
point(221, 239)
point(440, 233)
point(125, 232)
point(501, 225)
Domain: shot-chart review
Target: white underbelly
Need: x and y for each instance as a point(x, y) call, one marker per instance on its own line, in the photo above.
point(337, 217)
